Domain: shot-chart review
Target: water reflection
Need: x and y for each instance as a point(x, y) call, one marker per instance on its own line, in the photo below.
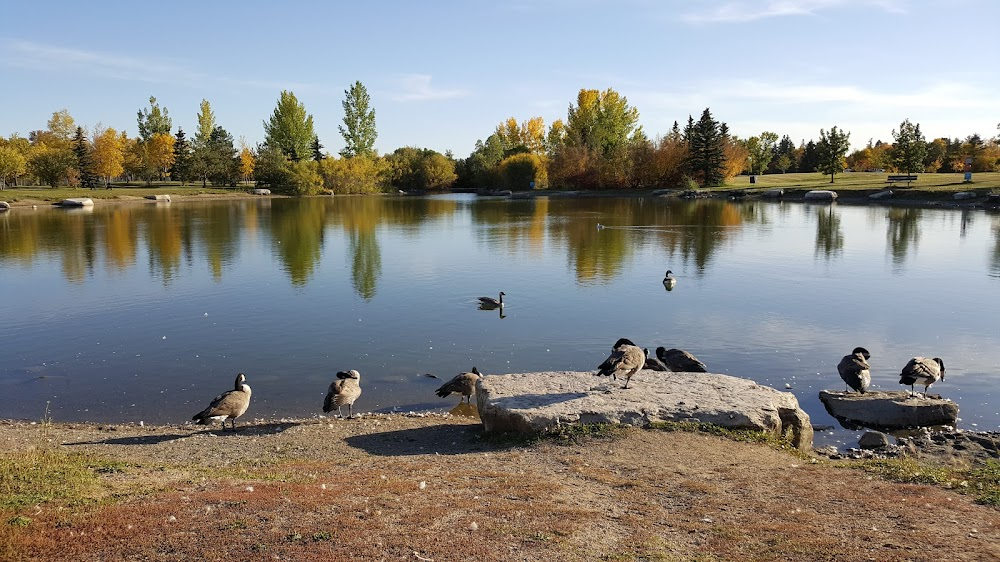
point(902, 231)
point(829, 235)
point(995, 254)
point(297, 234)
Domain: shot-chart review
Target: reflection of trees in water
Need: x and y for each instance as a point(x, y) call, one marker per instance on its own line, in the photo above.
point(903, 229)
point(701, 227)
point(164, 235)
point(995, 254)
point(297, 231)
point(516, 223)
point(121, 237)
point(968, 218)
point(366, 263)
point(220, 235)
point(829, 235)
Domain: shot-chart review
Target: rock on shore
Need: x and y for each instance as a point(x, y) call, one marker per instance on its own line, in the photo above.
point(535, 402)
point(888, 410)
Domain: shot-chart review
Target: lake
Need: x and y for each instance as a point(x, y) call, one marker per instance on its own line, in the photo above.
point(146, 311)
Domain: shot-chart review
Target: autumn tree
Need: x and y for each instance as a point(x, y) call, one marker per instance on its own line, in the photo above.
point(761, 150)
point(181, 169)
point(206, 124)
point(157, 155)
point(84, 162)
point(707, 140)
point(290, 128)
point(601, 121)
point(51, 165)
point(109, 156)
point(13, 164)
point(360, 174)
point(153, 121)
point(528, 136)
point(909, 148)
point(412, 168)
point(524, 171)
point(358, 129)
point(830, 150)
point(62, 126)
point(247, 162)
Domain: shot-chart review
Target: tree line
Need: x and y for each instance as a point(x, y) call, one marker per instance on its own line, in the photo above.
point(599, 145)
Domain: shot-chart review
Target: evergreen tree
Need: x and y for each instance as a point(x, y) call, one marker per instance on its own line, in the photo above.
point(290, 128)
point(317, 150)
point(910, 148)
point(84, 162)
point(223, 165)
point(831, 150)
point(358, 129)
point(706, 140)
point(182, 167)
point(154, 121)
point(810, 158)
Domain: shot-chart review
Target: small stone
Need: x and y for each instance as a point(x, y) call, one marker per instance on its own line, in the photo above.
point(873, 440)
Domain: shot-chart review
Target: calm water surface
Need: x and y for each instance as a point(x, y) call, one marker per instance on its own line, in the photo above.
point(147, 311)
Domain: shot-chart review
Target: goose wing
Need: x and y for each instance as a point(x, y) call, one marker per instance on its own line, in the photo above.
point(681, 361)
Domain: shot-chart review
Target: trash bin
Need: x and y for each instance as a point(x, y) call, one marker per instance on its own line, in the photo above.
point(753, 178)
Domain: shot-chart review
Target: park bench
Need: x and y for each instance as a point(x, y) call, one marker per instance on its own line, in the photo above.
point(899, 178)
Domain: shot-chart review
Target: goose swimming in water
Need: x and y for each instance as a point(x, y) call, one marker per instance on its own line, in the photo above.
point(343, 391)
point(626, 359)
point(462, 383)
point(680, 361)
point(669, 281)
point(854, 369)
point(490, 303)
point(921, 370)
point(227, 406)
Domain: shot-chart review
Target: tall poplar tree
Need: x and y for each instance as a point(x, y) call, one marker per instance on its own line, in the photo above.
point(831, 149)
point(290, 128)
point(156, 120)
point(206, 124)
point(910, 148)
point(358, 129)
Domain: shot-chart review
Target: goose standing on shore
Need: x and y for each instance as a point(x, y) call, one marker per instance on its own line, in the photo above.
point(489, 303)
point(227, 406)
point(343, 391)
point(462, 383)
point(854, 369)
point(626, 359)
point(669, 281)
point(921, 370)
point(680, 361)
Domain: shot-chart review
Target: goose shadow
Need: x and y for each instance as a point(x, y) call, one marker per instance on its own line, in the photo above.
point(251, 430)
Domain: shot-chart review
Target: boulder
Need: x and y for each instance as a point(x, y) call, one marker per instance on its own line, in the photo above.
point(821, 195)
point(873, 440)
point(77, 202)
point(773, 193)
point(162, 197)
point(536, 402)
point(260, 191)
point(881, 195)
point(964, 195)
point(888, 410)
point(4, 206)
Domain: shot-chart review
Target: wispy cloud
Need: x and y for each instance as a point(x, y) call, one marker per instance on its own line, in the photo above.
point(51, 58)
point(417, 87)
point(751, 10)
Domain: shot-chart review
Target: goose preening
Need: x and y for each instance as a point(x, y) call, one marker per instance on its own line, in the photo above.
point(652, 363)
point(489, 303)
point(921, 370)
point(227, 406)
point(343, 391)
point(669, 281)
point(626, 359)
point(854, 369)
point(462, 383)
point(680, 361)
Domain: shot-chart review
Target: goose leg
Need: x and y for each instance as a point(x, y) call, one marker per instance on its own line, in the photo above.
point(350, 411)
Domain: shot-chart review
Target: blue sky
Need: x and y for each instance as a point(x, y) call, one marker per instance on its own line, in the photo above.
point(442, 74)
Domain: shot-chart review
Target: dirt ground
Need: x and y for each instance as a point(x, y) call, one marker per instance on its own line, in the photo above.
point(389, 487)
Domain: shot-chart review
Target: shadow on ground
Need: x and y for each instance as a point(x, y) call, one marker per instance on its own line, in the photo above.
point(248, 431)
point(440, 439)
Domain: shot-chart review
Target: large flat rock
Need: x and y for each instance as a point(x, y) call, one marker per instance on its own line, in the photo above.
point(888, 410)
point(536, 402)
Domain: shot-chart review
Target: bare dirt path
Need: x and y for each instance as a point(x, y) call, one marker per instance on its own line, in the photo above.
point(434, 488)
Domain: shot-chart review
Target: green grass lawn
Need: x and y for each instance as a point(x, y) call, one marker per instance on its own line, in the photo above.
point(54, 194)
point(981, 182)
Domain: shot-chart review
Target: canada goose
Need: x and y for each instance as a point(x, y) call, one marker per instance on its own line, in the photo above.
point(854, 369)
point(227, 406)
point(922, 370)
point(669, 280)
point(680, 361)
point(344, 390)
point(626, 359)
point(462, 383)
point(652, 363)
point(489, 303)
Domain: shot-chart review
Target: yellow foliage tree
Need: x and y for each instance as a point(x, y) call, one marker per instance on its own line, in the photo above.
point(737, 158)
point(109, 154)
point(524, 171)
point(247, 163)
point(359, 174)
point(158, 155)
point(529, 135)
